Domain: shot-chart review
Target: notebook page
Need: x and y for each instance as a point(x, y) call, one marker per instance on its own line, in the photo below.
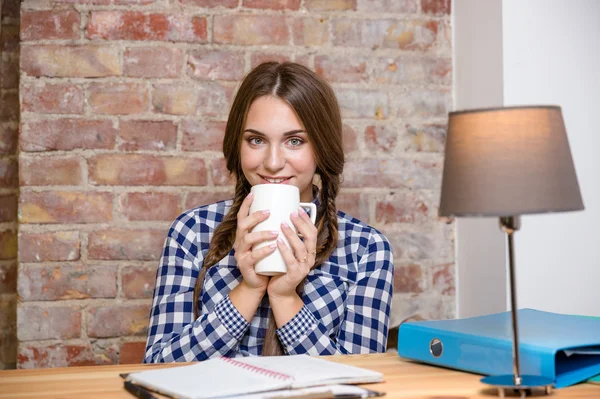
point(311, 371)
point(209, 379)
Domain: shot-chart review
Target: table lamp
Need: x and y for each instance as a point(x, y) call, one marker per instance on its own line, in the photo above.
point(506, 162)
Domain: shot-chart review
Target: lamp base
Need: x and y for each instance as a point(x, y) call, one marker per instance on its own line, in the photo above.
point(528, 384)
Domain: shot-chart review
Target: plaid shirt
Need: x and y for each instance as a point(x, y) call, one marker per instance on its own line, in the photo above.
point(346, 299)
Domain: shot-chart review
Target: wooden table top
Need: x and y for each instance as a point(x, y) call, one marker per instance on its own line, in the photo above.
point(403, 379)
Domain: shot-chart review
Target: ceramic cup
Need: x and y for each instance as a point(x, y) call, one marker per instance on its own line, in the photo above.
point(281, 200)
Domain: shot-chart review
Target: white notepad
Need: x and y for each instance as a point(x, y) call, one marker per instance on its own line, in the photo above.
point(223, 377)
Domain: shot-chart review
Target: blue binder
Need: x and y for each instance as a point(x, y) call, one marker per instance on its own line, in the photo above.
point(564, 348)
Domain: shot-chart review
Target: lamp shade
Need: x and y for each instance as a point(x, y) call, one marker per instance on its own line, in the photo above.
point(507, 162)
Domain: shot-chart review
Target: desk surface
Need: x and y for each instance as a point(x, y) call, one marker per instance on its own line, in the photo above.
point(402, 380)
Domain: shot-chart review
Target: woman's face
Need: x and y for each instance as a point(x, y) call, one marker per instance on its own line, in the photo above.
point(275, 147)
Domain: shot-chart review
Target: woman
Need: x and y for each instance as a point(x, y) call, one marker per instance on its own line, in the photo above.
point(284, 127)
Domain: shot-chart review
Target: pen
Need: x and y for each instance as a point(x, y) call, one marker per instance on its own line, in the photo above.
point(138, 391)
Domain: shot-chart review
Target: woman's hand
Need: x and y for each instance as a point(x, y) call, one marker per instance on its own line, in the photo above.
point(245, 257)
point(299, 259)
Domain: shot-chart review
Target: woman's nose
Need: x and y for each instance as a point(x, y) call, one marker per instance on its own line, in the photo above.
point(275, 158)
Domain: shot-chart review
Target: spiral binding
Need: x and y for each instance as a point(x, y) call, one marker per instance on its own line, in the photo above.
point(257, 370)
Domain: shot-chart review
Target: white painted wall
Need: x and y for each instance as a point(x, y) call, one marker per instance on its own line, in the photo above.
point(552, 56)
point(478, 75)
point(548, 52)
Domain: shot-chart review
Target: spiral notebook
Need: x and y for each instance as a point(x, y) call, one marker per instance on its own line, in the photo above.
point(225, 377)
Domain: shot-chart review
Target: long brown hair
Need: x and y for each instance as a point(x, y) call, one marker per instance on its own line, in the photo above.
point(315, 103)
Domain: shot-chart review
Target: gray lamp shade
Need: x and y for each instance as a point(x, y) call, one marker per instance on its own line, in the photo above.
point(508, 162)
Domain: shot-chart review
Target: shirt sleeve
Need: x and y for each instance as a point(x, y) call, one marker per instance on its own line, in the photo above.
point(365, 325)
point(173, 334)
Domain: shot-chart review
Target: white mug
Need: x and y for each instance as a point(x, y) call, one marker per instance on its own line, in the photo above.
point(281, 200)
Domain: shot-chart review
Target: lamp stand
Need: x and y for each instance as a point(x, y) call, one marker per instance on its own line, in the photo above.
point(516, 381)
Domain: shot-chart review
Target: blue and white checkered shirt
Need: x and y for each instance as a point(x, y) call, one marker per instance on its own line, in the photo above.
point(346, 299)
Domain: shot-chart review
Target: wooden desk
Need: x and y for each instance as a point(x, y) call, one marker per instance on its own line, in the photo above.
point(402, 380)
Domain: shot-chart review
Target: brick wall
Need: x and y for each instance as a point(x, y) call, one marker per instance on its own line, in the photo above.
point(123, 104)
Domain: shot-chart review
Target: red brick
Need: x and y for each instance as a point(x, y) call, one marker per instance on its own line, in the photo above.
point(388, 6)
point(49, 25)
point(9, 173)
point(211, 3)
point(416, 70)
point(73, 355)
point(258, 58)
point(175, 99)
point(51, 283)
point(52, 98)
point(134, 25)
point(151, 206)
point(202, 135)
point(385, 33)
point(409, 278)
point(138, 282)
point(214, 99)
point(381, 138)
point(142, 170)
point(152, 62)
point(196, 199)
point(147, 135)
point(393, 173)
point(444, 279)
point(272, 4)
point(9, 71)
point(342, 69)
point(8, 208)
point(406, 207)
point(118, 98)
point(220, 174)
point(67, 134)
point(436, 7)
point(423, 242)
point(8, 139)
point(56, 322)
point(349, 137)
point(8, 245)
point(118, 320)
point(422, 103)
point(10, 38)
point(8, 280)
point(87, 2)
point(47, 171)
point(251, 29)
point(132, 352)
point(134, 2)
point(311, 32)
point(363, 103)
point(10, 107)
point(121, 244)
point(70, 61)
point(65, 207)
point(49, 247)
point(216, 64)
point(330, 5)
point(426, 138)
point(354, 204)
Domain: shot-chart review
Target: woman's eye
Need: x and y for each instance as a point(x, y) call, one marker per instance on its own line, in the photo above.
point(294, 142)
point(255, 140)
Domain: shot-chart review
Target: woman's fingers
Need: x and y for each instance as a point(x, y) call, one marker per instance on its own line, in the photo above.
point(248, 223)
point(251, 239)
point(295, 241)
point(308, 230)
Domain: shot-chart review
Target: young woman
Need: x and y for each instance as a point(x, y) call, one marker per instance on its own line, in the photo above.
point(284, 127)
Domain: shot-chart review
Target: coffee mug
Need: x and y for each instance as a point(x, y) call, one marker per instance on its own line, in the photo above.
point(281, 200)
